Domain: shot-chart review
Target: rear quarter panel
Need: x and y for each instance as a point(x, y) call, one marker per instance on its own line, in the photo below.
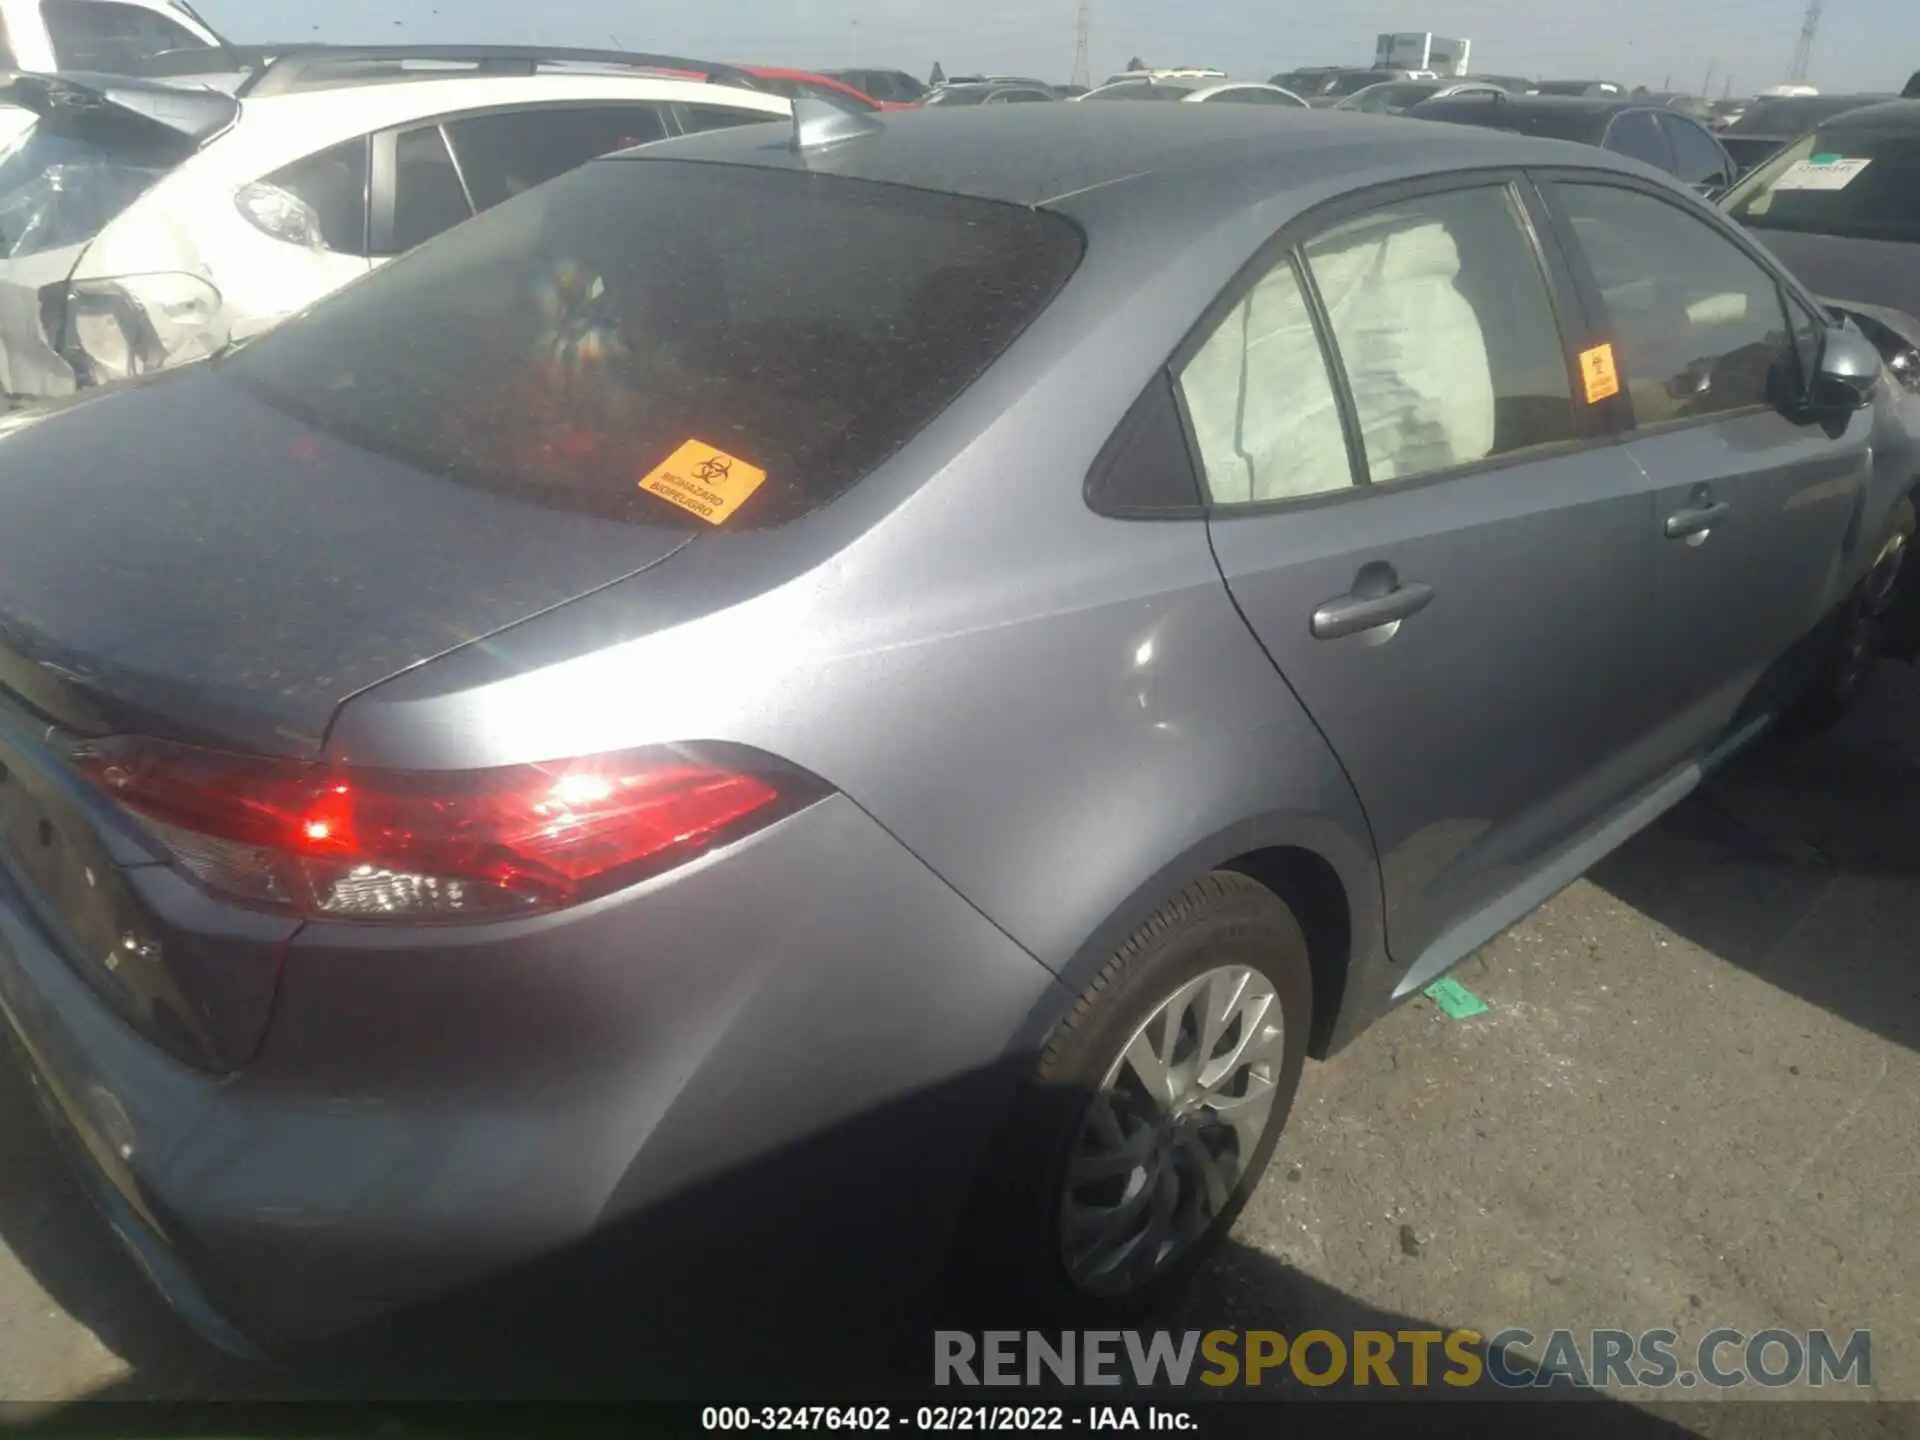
point(1062, 714)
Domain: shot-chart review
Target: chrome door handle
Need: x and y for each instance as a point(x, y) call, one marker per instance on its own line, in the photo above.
point(1350, 614)
point(1696, 519)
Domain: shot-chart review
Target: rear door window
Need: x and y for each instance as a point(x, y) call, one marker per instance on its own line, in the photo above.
point(1698, 160)
point(428, 194)
point(565, 347)
point(506, 154)
point(1638, 134)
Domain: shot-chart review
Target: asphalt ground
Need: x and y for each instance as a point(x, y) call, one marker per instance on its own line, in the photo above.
point(1689, 1104)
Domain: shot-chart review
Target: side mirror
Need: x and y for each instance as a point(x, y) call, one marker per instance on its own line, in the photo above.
point(1848, 375)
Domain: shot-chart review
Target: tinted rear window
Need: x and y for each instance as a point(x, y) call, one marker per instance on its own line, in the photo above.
point(562, 346)
point(1863, 184)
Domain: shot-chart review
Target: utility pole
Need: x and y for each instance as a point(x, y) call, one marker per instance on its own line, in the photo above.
point(1803, 52)
point(1083, 30)
point(1706, 85)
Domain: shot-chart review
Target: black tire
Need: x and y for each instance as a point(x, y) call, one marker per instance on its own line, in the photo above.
point(1221, 919)
point(1859, 634)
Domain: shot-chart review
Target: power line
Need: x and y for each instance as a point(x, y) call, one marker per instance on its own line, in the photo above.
point(1803, 52)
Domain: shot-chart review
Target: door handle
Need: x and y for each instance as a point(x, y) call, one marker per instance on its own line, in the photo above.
point(1350, 614)
point(1696, 519)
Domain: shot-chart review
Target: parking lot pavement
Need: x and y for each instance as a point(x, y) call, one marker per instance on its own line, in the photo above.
point(1689, 1105)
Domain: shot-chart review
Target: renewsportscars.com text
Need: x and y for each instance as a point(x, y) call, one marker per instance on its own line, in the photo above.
point(1720, 1359)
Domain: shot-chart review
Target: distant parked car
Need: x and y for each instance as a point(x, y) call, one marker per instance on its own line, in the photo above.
point(1586, 89)
point(1396, 97)
point(896, 86)
point(1176, 72)
point(1665, 139)
point(1770, 124)
point(1512, 84)
point(143, 225)
point(986, 92)
point(1329, 89)
point(1195, 92)
point(1842, 206)
point(816, 86)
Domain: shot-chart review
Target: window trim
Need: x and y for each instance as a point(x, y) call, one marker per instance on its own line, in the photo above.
point(1679, 198)
point(1564, 306)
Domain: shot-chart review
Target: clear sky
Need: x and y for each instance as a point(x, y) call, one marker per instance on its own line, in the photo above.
point(1863, 44)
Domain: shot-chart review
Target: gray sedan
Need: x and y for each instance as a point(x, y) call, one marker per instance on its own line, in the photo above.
point(790, 702)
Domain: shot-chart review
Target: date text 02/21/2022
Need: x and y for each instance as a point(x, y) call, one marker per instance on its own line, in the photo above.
point(946, 1419)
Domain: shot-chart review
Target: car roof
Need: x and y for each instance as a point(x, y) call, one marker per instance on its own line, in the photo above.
point(272, 129)
point(1898, 117)
point(1037, 155)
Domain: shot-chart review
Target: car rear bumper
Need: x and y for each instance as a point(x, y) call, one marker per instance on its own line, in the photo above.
point(795, 1050)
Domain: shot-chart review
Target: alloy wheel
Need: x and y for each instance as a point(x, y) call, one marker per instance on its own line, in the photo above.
point(1172, 1130)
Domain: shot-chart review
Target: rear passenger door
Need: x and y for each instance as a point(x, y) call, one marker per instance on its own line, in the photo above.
point(430, 177)
point(1423, 521)
point(1755, 498)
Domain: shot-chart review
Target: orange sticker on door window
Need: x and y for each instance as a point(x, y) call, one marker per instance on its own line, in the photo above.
point(1596, 368)
point(708, 482)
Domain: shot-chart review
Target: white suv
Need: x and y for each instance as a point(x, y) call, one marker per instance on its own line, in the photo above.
point(144, 224)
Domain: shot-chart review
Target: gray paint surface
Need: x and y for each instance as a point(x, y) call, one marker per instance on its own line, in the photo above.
point(1040, 722)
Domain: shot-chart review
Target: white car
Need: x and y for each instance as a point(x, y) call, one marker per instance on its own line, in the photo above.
point(111, 36)
point(1193, 89)
point(145, 224)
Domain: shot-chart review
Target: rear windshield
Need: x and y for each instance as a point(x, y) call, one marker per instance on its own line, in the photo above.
point(62, 185)
point(632, 315)
point(1863, 184)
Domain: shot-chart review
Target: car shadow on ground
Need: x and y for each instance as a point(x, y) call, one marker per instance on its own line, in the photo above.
point(1800, 863)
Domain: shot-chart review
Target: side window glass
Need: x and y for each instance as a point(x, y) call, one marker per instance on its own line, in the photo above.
point(1261, 402)
point(506, 154)
point(1698, 325)
point(321, 199)
point(1637, 134)
point(1697, 158)
point(427, 194)
point(1024, 97)
point(1445, 329)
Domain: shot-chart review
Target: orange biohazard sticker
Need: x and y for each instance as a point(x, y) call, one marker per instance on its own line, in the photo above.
point(709, 482)
point(1596, 368)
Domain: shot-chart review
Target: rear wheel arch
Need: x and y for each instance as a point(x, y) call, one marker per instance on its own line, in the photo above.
point(1301, 863)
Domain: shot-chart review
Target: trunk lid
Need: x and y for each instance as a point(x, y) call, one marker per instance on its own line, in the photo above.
point(178, 558)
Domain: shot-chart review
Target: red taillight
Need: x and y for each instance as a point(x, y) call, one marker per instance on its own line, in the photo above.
point(427, 845)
